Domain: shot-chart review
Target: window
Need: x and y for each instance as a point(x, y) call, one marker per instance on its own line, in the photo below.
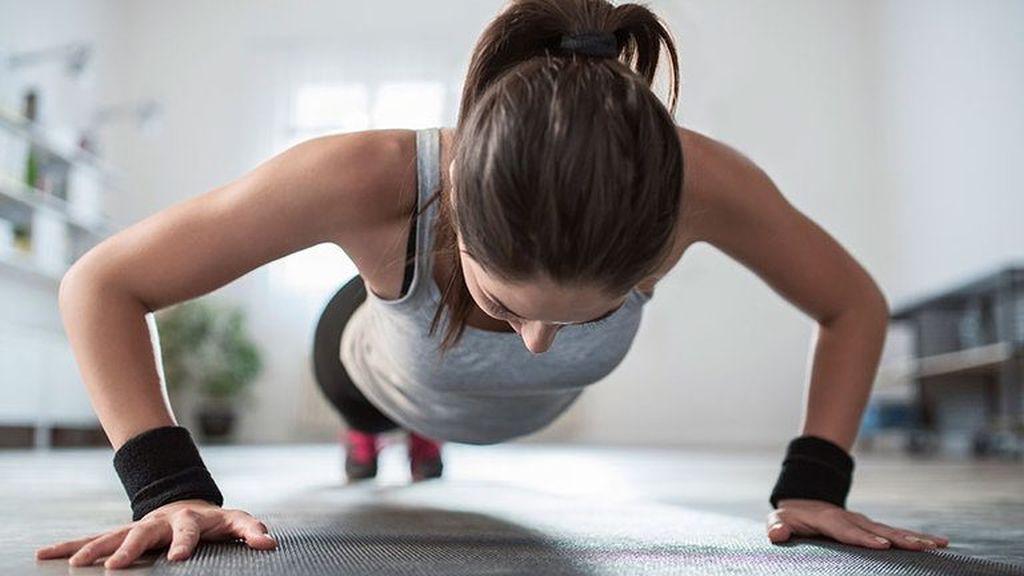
point(320, 108)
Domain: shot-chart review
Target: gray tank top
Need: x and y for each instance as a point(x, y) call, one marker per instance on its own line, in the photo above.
point(488, 388)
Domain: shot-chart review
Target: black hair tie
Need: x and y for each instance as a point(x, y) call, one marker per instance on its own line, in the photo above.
point(601, 44)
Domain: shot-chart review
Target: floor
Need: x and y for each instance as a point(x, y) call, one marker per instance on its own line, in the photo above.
point(47, 497)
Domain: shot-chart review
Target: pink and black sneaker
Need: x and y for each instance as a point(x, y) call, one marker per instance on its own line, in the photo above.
point(361, 449)
point(424, 457)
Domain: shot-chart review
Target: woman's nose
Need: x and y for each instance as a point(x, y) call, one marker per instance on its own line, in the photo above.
point(537, 336)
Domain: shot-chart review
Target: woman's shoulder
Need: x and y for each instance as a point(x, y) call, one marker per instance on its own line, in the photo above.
point(720, 181)
point(381, 164)
point(712, 170)
point(692, 144)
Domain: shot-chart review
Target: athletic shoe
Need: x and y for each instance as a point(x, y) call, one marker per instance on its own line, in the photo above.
point(424, 457)
point(360, 454)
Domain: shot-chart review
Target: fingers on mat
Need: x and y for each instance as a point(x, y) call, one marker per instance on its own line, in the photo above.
point(101, 546)
point(62, 549)
point(184, 536)
point(902, 538)
point(850, 533)
point(139, 539)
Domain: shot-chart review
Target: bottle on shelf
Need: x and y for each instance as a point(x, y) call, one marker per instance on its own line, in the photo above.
point(23, 230)
point(82, 190)
point(53, 176)
point(22, 237)
point(32, 162)
point(45, 171)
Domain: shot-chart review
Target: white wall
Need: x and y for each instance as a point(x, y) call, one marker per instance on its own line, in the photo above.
point(952, 80)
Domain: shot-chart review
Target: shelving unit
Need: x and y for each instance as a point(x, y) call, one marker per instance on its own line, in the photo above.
point(82, 226)
point(40, 387)
point(973, 335)
point(980, 359)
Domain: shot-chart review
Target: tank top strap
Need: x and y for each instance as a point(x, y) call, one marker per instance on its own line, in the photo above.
point(428, 178)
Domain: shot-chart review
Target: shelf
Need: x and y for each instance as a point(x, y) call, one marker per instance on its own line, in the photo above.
point(24, 265)
point(51, 233)
point(24, 128)
point(13, 190)
point(979, 359)
point(978, 286)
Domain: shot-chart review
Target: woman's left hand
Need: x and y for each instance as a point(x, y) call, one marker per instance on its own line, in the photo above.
point(817, 517)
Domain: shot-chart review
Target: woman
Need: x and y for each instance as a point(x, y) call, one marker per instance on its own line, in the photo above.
point(537, 230)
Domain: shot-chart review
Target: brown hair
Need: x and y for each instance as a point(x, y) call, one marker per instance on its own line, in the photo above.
point(567, 165)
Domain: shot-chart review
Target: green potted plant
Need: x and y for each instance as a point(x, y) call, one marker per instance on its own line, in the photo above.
point(205, 346)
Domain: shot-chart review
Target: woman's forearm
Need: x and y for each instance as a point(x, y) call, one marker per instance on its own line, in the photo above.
point(846, 353)
point(111, 342)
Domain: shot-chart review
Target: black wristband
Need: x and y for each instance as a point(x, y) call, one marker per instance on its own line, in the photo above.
point(814, 468)
point(162, 465)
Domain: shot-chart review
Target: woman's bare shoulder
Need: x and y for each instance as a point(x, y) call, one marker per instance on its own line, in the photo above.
point(719, 178)
point(383, 164)
point(342, 189)
point(379, 163)
point(692, 144)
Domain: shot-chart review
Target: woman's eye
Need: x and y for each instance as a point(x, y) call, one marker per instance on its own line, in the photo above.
point(498, 313)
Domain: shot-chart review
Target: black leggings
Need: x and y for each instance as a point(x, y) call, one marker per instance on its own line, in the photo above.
point(330, 373)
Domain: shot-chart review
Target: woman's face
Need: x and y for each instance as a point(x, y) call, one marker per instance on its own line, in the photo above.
point(536, 310)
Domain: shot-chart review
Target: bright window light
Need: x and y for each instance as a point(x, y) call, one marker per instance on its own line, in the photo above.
point(323, 108)
point(341, 107)
point(408, 105)
point(316, 269)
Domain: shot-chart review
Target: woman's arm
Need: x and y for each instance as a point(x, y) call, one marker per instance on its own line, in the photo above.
point(322, 190)
point(741, 212)
point(317, 191)
point(745, 216)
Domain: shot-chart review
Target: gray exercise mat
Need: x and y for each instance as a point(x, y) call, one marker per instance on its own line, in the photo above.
point(446, 529)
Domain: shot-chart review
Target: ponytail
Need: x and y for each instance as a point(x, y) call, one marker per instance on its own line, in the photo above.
point(566, 146)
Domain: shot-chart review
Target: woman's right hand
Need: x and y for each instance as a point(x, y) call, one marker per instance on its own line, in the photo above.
point(179, 524)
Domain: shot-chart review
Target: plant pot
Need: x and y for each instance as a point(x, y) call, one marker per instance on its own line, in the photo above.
point(216, 422)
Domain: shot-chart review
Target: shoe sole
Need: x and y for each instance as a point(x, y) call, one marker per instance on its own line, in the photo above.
point(427, 470)
point(356, 471)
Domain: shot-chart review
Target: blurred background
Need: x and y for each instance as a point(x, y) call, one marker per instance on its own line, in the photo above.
point(897, 125)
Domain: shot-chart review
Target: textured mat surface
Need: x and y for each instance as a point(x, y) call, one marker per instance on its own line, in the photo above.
point(478, 528)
